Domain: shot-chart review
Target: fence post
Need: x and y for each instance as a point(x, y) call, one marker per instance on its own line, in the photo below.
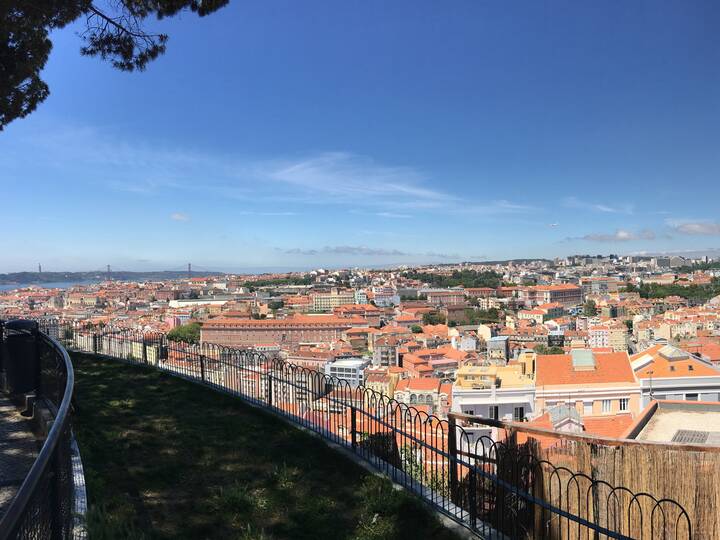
point(202, 367)
point(353, 428)
point(2, 353)
point(144, 351)
point(35, 332)
point(94, 343)
point(472, 499)
point(269, 390)
point(452, 452)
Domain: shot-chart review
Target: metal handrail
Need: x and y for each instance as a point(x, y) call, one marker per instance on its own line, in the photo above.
point(14, 513)
point(496, 501)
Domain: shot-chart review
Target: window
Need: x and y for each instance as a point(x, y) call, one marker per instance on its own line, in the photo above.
point(493, 412)
point(587, 408)
point(606, 406)
point(519, 414)
point(470, 411)
point(691, 397)
point(624, 404)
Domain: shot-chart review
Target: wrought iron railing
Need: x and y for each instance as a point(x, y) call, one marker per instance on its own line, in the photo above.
point(495, 487)
point(43, 505)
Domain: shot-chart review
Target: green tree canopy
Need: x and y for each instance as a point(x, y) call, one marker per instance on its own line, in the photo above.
point(115, 31)
point(187, 333)
point(590, 308)
point(544, 349)
point(465, 278)
point(699, 293)
point(416, 328)
point(433, 318)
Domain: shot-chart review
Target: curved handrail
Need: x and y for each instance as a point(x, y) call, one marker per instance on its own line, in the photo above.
point(22, 498)
point(483, 492)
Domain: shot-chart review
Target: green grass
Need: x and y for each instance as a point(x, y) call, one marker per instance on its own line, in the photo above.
point(166, 458)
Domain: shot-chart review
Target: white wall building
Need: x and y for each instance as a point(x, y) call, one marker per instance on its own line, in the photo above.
point(351, 370)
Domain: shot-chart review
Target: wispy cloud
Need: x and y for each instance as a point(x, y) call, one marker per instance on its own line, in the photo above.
point(179, 216)
point(393, 215)
point(346, 177)
point(574, 202)
point(365, 251)
point(495, 207)
point(620, 235)
point(326, 178)
point(698, 228)
point(270, 213)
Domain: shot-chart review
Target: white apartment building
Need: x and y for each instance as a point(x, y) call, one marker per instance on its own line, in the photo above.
point(333, 299)
point(351, 370)
point(497, 392)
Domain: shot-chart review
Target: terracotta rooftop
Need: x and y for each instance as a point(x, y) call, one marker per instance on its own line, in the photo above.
point(669, 361)
point(557, 369)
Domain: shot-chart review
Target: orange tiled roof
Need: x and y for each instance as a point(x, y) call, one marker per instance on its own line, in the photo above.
point(424, 383)
point(557, 369)
point(297, 319)
point(662, 367)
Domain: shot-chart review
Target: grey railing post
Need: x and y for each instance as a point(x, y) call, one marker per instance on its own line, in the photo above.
point(269, 389)
point(202, 367)
point(353, 428)
point(472, 496)
point(35, 332)
point(452, 452)
point(2, 354)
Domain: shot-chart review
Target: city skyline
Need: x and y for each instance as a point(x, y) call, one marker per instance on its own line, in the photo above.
point(470, 133)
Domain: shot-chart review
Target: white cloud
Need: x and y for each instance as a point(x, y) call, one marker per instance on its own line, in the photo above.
point(393, 215)
point(271, 213)
point(574, 202)
point(700, 228)
point(347, 177)
point(273, 187)
point(365, 252)
point(620, 235)
point(179, 216)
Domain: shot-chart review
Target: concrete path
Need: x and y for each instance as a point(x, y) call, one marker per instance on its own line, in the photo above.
point(18, 449)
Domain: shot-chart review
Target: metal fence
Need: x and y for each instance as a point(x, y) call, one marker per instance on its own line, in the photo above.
point(494, 488)
point(43, 505)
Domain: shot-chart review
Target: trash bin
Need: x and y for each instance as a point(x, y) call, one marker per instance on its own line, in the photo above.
point(22, 370)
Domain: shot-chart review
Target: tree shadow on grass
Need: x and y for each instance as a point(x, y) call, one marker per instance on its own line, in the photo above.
point(166, 458)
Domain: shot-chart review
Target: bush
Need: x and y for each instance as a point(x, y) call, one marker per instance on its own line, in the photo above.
point(187, 333)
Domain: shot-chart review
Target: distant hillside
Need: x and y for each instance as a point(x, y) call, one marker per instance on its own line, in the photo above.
point(24, 278)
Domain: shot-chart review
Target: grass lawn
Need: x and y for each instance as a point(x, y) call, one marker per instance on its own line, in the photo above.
point(166, 458)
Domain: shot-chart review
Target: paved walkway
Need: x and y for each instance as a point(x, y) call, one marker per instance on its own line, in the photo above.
point(18, 449)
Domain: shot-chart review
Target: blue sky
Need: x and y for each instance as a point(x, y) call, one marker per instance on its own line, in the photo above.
point(306, 134)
